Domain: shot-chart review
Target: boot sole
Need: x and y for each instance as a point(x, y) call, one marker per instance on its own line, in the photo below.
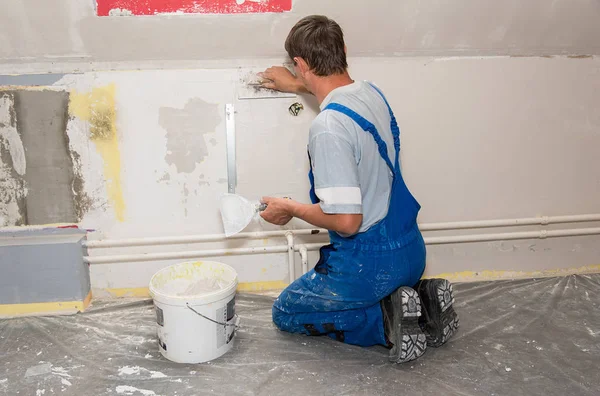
point(409, 340)
point(448, 321)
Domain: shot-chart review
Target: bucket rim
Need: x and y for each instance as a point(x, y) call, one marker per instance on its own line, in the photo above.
point(204, 298)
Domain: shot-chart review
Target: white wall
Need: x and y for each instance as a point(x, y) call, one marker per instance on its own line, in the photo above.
point(68, 31)
point(483, 137)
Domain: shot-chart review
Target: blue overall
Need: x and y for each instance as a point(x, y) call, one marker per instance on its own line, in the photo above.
point(341, 296)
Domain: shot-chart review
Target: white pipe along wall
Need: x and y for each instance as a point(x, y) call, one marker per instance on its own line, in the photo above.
point(499, 120)
point(459, 225)
point(304, 248)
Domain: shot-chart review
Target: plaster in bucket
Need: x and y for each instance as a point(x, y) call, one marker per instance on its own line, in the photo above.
point(237, 212)
point(195, 310)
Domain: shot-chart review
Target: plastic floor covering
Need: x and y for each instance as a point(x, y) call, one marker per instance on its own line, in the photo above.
point(523, 337)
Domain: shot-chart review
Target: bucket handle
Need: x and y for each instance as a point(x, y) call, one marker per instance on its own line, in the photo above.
point(235, 324)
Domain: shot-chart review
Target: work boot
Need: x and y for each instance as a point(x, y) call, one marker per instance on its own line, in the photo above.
point(439, 321)
point(401, 312)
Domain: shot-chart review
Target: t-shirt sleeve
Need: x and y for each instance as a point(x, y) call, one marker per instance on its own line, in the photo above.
point(336, 174)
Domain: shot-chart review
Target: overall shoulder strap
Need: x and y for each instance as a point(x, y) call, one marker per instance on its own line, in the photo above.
point(393, 125)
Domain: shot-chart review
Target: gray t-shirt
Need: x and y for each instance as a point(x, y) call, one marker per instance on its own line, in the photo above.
point(350, 175)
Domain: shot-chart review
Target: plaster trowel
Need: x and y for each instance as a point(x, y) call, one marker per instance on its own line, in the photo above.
point(237, 212)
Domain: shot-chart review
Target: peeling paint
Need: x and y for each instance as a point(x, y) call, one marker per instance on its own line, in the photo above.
point(9, 134)
point(99, 109)
point(12, 194)
point(185, 128)
point(203, 182)
point(13, 209)
point(185, 192)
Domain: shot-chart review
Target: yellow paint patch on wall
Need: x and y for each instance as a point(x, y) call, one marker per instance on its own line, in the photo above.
point(144, 292)
point(99, 109)
point(464, 276)
point(49, 308)
point(261, 286)
point(491, 275)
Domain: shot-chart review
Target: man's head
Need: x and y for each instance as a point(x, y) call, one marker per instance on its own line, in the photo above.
point(316, 45)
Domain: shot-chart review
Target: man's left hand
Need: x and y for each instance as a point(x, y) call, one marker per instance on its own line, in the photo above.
point(278, 210)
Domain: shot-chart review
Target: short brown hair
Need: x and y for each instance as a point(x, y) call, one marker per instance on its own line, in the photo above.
point(320, 42)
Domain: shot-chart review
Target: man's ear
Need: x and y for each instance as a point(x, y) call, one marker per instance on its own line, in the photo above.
point(302, 65)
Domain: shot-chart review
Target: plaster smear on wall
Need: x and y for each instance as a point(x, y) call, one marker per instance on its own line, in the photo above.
point(148, 182)
point(186, 145)
point(98, 108)
point(12, 194)
point(89, 188)
point(12, 166)
point(83, 201)
point(9, 134)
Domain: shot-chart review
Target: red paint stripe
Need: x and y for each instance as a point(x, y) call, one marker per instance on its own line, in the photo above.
point(153, 7)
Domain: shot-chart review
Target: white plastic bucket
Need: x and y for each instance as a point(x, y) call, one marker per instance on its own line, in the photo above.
point(195, 310)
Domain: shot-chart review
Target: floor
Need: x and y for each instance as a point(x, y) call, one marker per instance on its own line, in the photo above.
point(523, 337)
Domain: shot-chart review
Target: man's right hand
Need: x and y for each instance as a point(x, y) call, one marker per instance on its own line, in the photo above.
point(281, 79)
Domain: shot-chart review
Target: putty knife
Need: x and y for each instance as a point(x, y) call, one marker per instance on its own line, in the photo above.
point(237, 212)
